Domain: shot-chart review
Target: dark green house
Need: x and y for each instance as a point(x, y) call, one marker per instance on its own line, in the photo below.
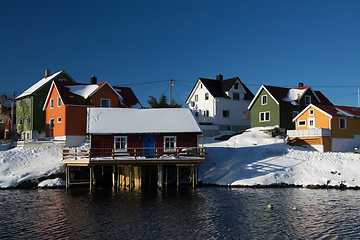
point(277, 106)
point(30, 122)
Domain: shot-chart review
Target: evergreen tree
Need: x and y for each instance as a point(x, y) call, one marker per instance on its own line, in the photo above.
point(162, 103)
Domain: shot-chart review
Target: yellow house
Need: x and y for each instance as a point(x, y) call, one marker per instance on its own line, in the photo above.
point(327, 128)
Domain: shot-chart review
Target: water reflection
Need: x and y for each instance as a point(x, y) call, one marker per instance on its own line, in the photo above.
point(185, 213)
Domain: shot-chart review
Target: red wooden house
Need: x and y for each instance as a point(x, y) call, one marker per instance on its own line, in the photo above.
point(66, 107)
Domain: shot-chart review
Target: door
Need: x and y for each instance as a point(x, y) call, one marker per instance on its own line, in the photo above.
point(149, 145)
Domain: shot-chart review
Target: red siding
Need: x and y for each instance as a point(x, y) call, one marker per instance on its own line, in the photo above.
point(104, 143)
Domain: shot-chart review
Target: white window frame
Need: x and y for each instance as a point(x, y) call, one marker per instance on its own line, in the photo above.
point(51, 126)
point(302, 121)
point(28, 119)
point(264, 114)
point(344, 119)
point(58, 102)
point(172, 141)
point(105, 99)
point(309, 122)
point(51, 103)
point(307, 99)
point(120, 140)
point(196, 98)
point(264, 100)
point(20, 121)
point(311, 112)
point(206, 96)
point(58, 120)
point(28, 101)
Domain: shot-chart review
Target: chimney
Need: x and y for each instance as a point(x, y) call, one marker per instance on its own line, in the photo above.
point(219, 77)
point(47, 73)
point(93, 80)
point(301, 84)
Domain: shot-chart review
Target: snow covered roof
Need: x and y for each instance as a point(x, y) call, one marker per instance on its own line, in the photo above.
point(83, 90)
point(40, 84)
point(136, 121)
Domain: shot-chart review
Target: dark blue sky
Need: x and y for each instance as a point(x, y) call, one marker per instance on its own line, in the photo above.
point(141, 44)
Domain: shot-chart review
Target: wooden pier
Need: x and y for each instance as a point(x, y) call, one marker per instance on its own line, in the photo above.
point(135, 168)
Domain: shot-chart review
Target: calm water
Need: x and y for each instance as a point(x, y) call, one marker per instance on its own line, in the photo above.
point(203, 213)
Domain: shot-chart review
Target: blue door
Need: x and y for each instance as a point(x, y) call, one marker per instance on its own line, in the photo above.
point(149, 145)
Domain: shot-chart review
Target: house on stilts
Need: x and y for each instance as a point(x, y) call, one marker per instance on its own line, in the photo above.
point(133, 148)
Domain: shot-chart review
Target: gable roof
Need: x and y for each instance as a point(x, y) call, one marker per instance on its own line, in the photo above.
point(333, 111)
point(145, 121)
point(217, 88)
point(129, 99)
point(34, 88)
point(289, 96)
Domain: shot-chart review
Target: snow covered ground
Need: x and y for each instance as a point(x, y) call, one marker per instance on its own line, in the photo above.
point(248, 159)
point(254, 158)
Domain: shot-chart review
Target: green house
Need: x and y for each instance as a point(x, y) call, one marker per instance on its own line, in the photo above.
point(277, 106)
point(30, 122)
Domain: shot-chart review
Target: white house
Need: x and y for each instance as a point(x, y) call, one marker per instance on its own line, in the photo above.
point(220, 104)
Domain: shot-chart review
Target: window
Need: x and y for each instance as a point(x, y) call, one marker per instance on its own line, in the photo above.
point(342, 123)
point(104, 102)
point(206, 96)
point(51, 123)
point(263, 100)
point(20, 103)
point(58, 102)
point(246, 115)
point(311, 122)
point(59, 119)
point(192, 103)
point(200, 86)
point(311, 112)
point(236, 86)
point(302, 123)
point(307, 100)
point(196, 114)
point(226, 113)
point(206, 113)
point(51, 103)
point(28, 118)
point(196, 98)
point(28, 101)
point(295, 113)
point(169, 143)
point(264, 116)
point(20, 121)
point(120, 144)
point(236, 96)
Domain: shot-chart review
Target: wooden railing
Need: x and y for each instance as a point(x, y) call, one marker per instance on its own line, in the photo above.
point(133, 153)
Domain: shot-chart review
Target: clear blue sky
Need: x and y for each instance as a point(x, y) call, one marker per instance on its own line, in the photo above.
point(141, 44)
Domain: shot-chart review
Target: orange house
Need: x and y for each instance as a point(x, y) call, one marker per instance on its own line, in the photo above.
point(66, 108)
point(327, 128)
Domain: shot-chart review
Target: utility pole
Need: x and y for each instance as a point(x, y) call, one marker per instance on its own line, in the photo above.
point(12, 117)
point(170, 92)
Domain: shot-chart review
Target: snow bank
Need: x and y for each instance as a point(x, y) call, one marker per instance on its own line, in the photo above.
point(18, 165)
point(254, 158)
point(57, 182)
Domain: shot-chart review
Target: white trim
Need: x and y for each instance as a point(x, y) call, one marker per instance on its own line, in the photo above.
point(313, 113)
point(257, 94)
point(302, 125)
point(171, 149)
point(315, 107)
point(340, 123)
point(101, 99)
point(58, 101)
point(262, 100)
point(264, 116)
point(57, 119)
point(50, 123)
point(311, 119)
point(51, 103)
point(115, 141)
point(102, 86)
